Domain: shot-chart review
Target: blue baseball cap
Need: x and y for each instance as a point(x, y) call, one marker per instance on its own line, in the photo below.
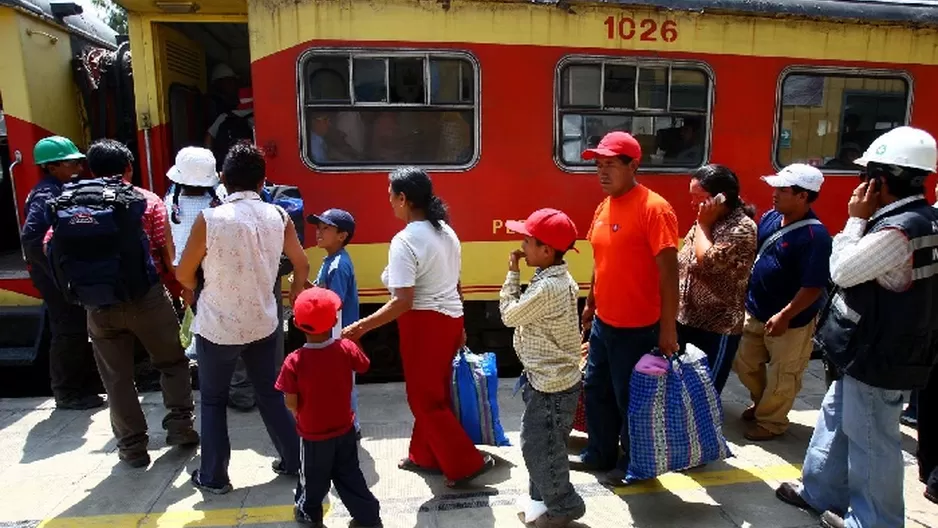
point(342, 220)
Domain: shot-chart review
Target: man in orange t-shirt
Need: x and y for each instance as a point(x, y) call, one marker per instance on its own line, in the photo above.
point(632, 305)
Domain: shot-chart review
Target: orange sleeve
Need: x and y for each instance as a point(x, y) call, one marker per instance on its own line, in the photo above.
point(662, 228)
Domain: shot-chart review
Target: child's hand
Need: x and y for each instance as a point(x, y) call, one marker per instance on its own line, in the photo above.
point(513, 258)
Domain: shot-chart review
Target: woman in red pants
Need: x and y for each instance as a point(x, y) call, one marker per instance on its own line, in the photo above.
point(423, 277)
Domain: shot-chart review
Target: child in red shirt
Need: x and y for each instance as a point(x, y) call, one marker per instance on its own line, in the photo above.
point(317, 384)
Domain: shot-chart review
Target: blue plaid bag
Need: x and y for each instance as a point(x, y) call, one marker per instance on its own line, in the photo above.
point(675, 419)
point(475, 397)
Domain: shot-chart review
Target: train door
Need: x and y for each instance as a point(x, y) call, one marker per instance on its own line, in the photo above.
point(205, 73)
point(11, 255)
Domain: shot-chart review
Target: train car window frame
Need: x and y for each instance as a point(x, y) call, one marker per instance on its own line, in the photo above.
point(386, 54)
point(825, 73)
point(640, 63)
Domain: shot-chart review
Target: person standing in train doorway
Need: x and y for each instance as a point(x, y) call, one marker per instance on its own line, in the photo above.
point(71, 360)
point(632, 304)
point(880, 330)
point(786, 291)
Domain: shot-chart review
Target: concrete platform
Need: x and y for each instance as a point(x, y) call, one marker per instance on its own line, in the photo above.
point(60, 469)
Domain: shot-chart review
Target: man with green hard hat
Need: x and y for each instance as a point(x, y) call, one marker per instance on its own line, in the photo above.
point(71, 361)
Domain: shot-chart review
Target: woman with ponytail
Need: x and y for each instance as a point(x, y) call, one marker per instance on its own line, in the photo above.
point(423, 277)
point(713, 267)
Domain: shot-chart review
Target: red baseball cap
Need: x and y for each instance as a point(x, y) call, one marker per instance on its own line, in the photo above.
point(316, 310)
point(550, 226)
point(615, 144)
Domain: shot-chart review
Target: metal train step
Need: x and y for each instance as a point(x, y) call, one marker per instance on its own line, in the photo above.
point(22, 330)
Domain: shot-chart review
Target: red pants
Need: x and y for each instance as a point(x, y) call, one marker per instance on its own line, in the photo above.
point(429, 342)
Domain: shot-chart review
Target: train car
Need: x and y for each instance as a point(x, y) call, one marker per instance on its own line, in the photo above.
point(497, 98)
point(51, 51)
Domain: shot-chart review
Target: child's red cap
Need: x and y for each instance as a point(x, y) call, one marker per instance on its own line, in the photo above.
point(316, 310)
point(550, 226)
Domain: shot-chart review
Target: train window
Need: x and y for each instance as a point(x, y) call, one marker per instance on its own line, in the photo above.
point(828, 118)
point(664, 105)
point(378, 109)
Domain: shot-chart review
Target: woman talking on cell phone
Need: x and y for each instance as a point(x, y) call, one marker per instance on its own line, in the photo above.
point(713, 266)
point(423, 277)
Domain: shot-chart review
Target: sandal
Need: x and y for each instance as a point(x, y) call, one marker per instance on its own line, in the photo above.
point(487, 464)
point(409, 465)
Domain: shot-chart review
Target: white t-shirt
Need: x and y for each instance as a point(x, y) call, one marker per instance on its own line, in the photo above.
point(429, 261)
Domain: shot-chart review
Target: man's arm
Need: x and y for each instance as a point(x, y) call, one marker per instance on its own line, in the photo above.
point(857, 259)
point(292, 402)
point(804, 299)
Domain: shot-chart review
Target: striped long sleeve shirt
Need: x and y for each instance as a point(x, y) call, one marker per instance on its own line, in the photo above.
point(547, 327)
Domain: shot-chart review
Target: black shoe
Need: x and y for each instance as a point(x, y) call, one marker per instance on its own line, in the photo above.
point(830, 519)
point(185, 438)
point(209, 489)
point(305, 520)
point(79, 403)
point(241, 407)
point(931, 493)
point(356, 524)
point(135, 460)
point(578, 463)
point(789, 495)
point(909, 421)
point(278, 467)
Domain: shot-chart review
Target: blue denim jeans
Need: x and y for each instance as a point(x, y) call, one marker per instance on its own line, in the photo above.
point(358, 426)
point(216, 364)
point(854, 461)
point(613, 354)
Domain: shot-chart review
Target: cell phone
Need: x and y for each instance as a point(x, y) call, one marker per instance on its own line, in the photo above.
point(876, 183)
point(719, 198)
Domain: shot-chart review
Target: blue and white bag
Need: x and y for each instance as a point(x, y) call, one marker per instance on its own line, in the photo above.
point(675, 419)
point(475, 397)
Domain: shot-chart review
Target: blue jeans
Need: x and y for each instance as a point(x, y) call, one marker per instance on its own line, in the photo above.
point(613, 354)
point(854, 461)
point(216, 364)
point(358, 426)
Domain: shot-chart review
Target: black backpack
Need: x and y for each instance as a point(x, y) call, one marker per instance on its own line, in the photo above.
point(289, 198)
point(233, 129)
point(99, 252)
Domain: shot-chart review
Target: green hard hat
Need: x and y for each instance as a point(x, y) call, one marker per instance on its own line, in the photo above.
point(55, 148)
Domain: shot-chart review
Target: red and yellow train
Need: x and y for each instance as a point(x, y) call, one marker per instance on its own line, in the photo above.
point(497, 98)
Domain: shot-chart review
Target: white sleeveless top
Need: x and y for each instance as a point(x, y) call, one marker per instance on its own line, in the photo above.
point(244, 241)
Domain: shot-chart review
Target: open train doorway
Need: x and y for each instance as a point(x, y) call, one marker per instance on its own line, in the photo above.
point(206, 75)
point(12, 265)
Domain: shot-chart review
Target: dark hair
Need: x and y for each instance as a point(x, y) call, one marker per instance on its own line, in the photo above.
point(244, 168)
point(107, 157)
point(624, 159)
point(179, 188)
point(415, 184)
point(902, 181)
point(716, 179)
point(348, 239)
point(812, 195)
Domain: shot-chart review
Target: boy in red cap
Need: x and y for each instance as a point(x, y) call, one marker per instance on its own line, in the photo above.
point(317, 384)
point(547, 340)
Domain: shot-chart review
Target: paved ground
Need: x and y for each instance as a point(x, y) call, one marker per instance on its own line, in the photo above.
point(60, 469)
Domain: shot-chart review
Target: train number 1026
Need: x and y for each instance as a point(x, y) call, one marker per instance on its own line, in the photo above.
point(647, 29)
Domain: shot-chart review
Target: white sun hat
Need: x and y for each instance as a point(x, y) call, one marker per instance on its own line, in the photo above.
point(195, 166)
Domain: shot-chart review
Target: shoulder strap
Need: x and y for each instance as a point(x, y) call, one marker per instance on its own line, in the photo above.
point(782, 232)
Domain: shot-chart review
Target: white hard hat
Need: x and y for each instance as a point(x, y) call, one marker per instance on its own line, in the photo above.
point(903, 147)
point(222, 71)
point(195, 166)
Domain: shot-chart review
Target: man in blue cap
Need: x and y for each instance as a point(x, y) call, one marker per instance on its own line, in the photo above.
point(334, 230)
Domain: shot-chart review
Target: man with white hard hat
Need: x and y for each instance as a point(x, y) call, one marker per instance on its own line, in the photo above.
point(878, 329)
point(785, 293)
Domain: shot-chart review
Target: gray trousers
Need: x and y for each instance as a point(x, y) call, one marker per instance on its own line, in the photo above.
point(545, 427)
point(240, 391)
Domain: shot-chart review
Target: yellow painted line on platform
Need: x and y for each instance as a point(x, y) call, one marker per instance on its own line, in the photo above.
point(707, 479)
point(280, 514)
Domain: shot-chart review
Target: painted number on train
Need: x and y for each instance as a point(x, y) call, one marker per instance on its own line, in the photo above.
point(647, 29)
